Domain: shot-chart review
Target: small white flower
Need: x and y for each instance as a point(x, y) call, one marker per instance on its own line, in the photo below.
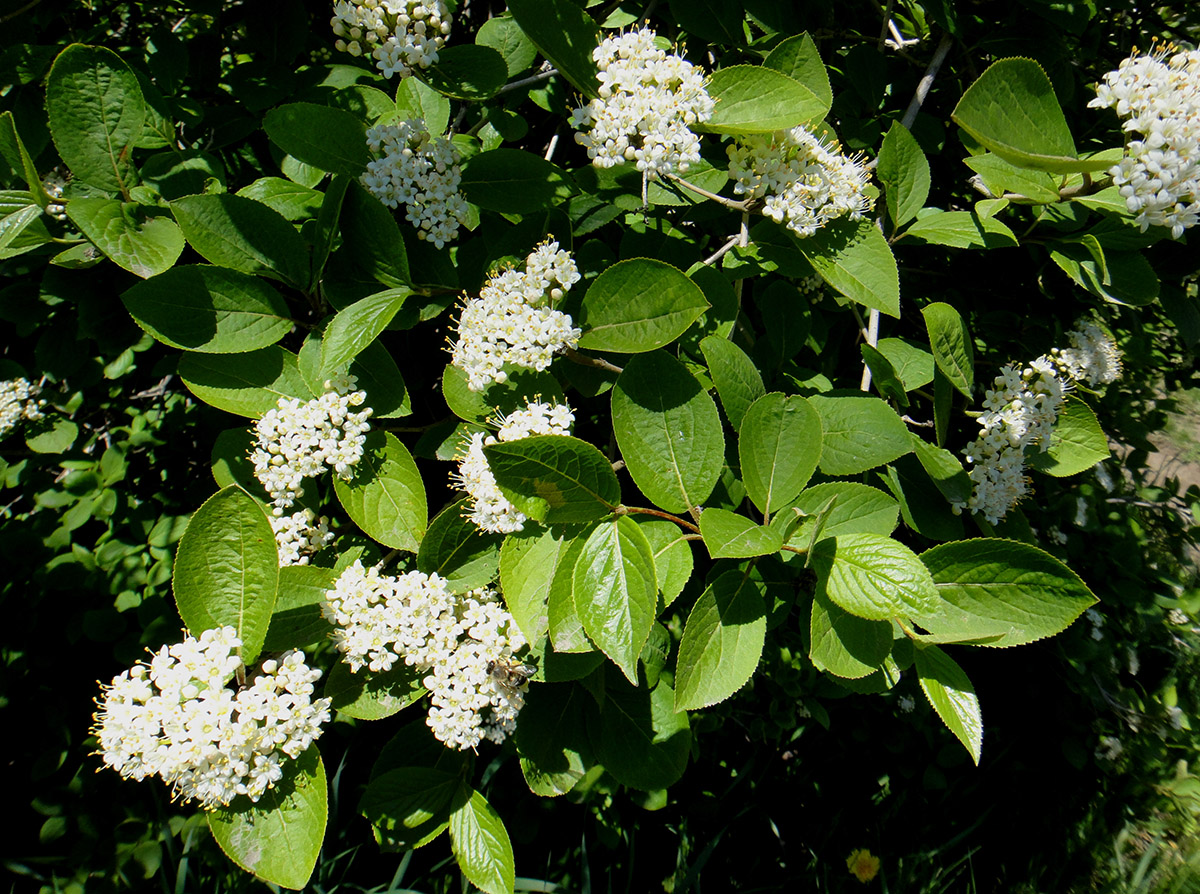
point(400, 35)
point(18, 400)
point(299, 535)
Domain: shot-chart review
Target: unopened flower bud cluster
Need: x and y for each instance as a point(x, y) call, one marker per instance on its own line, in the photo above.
point(490, 509)
point(456, 640)
point(299, 535)
point(420, 172)
point(646, 102)
point(400, 35)
point(803, 182)
point(1159, 95)
point(54, 186)
point(513, 320)
point(18, 400)
point(1020, 411)
point(176, 718)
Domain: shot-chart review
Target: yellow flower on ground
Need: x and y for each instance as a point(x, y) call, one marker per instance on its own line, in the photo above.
point(862, 865)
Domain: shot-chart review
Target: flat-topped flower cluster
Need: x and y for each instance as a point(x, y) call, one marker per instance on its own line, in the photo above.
point(490, 509)
point(18, 401)
point(647, 100)
point(803, 181)
point(177, 718)
point(513, 320)
point(421, 172)
point(1159, 96)
point(1020, 411)
point(400, 35)
point(457, 640)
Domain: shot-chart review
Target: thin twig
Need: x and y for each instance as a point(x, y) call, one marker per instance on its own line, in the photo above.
point(916, 424)
point(553, 145)
point(699, 190)
point(618, 465)
point(525, 82)
point(723, 250)
point(926, 82)
point(658, 513)
point(585, 360)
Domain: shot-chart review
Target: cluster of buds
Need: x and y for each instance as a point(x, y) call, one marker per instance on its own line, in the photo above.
point(18, 401)
point(400, 35)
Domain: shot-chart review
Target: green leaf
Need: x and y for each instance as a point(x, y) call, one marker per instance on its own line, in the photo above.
point(58, 439)
point(370, 696)
point(176, 174)
point(481, 844)
point(293, 201)
point(731, 536)
point(951, 344)
point(858, 433)
point(278, 838)
point(668, 430)
point(638, 305)
point(227, 569)
point(415, 99)
point(859, 509)
point(96, 114)
point(554, 478)
point(566, 630)
point(843, 644)
point(874, 577)
point(668, 192)
point(244, 384)
point(467, 71)
point(1077, 444)
point(616, 591)
point(455, 549)
point(717, 21)
point(1012, 110)
point(962, 229)
point(297, 620)
point(944, 469)
point(565, 35)
point(735, 375)
point(528, 564)
point(552, 738)
point(779, 444)
point(14, 225)
point(639, 736)
point(855, 258)
point(514, 181)
point(372, 240)
point(498, 398)
point(356, 326)
point(1000, 177)
point(211, 310)
point(992, 587)
point(672, 555)
point(753, 99)
point(722, 640)
point(385, 495)
point(13, 151)
point(883, 375)
point(505, 36)
point(1127, 277)
point(232, 231)
point(326, 232)
point(797, 57)
point(324, 137)
point(913, 364)
point(136, 238)
point(953, 697)
point(410, 806)
point(904, 172)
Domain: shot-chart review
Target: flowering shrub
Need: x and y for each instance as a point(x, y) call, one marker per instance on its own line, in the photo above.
point(641, 349)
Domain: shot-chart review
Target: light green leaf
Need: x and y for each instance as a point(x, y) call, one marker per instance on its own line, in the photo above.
point(913, 364)
point(456, 550)
point(962, 229)
point(754, 99)
point(722, 640)
point(373, 696)
point(737, 379)
point(481, 844)
point(859, 509)
point(668, 430)
point(992, 587)
point(565, 35)
point(638, 305)
point(672, 555)
point(566, 630)
point(1077, 444)
point(278, 837)
point(505, 36)
point(843, 644)
point(639, 736)
point(858, 433)
point(357, 326)
point(528, 564)
point(324, 137)
point(797, 57)
point(498, 398)
point(227, 569)
point(616, 591)
point(855, 259)
point(514, 181)
point(245, 384)
point(904, 172)
point(1001, 177)
point(415, 99)
point(731, 536)
point(554, 478)
point(951, 344)
point(944, 469)
point(883, 375)
point(874, 577)
point(385, 495)
point(293, 201)
point(953, 697)
point(211, 310)
point(137, 238)
point(779, 444)
point(96, 114)
point(248, 236)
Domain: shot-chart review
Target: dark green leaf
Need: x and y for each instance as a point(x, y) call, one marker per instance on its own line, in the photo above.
point(555, 478)
point(321, 136)
point(513, 181)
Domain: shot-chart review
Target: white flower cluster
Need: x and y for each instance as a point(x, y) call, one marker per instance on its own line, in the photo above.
point(803, 182)
point(176, 718)
point(299, 535)
point(401, 35)
point(1159, 177)
point(512, 320)
point(463, 643)
point(300, 439)
point(490, 509)
point(646, 101)
point(420, 172)
point(1020, 411)
point(18, 400)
